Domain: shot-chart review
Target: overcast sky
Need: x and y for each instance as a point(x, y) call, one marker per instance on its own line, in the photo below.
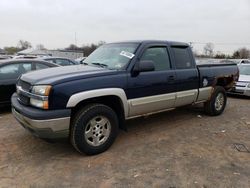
point(53, 23)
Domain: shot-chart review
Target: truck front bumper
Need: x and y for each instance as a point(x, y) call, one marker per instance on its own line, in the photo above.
point(46, 124)
point(240, 91)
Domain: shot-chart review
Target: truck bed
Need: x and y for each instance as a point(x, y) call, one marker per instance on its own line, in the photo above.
point(210, 71)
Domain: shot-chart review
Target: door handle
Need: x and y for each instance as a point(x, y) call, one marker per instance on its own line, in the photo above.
point(171, 78)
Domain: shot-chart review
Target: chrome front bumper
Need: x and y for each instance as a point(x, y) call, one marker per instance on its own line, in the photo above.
point(241, 88)
point(240, 91)
point(49, 129)
point(41, 123)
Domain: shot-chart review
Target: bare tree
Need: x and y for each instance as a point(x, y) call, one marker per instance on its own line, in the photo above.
point(220, 55)
point(195, 52)
point(40, 47)
point(209, 49)
point(87, 48)
point(72, 47)
point(242, 53)
point(100, 43)
point(22, 45)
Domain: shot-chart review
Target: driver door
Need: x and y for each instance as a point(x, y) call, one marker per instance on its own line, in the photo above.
point(155, 90)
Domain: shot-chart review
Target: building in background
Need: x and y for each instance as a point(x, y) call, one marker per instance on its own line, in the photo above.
point(71, 54)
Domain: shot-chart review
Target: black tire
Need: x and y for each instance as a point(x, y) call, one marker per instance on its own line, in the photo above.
point(81, 123)
point(211, 107)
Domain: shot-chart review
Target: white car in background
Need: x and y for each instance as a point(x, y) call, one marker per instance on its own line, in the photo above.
point(243, 61)
point(80, 60)
point(242, 87)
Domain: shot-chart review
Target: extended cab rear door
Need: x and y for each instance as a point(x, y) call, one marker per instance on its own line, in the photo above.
point(187, 76)
point(154, 90)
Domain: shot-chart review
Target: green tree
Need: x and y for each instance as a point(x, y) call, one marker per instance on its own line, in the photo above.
point(11, 50)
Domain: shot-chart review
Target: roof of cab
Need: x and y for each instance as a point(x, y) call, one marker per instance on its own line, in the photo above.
point(171, 43)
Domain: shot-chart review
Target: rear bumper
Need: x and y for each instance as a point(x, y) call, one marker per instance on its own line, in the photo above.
point(51, 124)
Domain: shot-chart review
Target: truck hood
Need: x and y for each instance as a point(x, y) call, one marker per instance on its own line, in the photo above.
point(65, 73)
point(244, 78)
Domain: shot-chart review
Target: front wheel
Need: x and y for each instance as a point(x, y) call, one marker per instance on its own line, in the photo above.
point(94, 129)
point(217, 103)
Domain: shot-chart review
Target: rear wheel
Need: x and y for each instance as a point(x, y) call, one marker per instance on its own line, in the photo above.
point(94, 129)
point(217, 103)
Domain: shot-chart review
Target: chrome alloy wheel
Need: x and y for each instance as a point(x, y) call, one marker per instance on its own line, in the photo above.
point(219, 101)
point(97, 131)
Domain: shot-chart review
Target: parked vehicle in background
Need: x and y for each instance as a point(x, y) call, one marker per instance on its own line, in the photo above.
point(242, 87)
point(10, 70)
point(120, 81)
point(227, 61)
point(3, 57)
point(202, 61)
point(244, 61)
point(241, 61)
point(80, 60)
point(60, 61)
point(25, 57)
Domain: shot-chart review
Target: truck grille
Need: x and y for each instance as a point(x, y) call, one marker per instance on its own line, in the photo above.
point(25, 100)
point(241, 84)
point(234, 90)
point(25, 85)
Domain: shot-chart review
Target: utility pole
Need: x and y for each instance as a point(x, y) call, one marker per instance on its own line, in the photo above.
point(75, 40)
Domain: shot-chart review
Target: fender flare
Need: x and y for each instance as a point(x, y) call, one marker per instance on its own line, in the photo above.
point(79, 97)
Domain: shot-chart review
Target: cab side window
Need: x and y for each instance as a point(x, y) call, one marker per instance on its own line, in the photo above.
point(182, 58)
point(159, 56)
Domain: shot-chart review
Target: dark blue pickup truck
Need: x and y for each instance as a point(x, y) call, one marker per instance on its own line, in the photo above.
point(118, 81)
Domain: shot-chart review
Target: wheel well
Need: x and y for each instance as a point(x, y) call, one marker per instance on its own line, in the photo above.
point(112, 101)
point(225, 82)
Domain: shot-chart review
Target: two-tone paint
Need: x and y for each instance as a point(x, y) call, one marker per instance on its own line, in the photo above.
point(143, 93)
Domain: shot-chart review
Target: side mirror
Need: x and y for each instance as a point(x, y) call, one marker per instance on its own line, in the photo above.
point(144, 66)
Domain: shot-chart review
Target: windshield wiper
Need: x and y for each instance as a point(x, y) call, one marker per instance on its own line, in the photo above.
point(100, 64)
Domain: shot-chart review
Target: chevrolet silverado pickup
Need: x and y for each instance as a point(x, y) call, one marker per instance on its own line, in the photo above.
point(88, 103)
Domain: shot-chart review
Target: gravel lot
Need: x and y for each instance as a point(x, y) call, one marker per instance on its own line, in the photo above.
point(180, 148)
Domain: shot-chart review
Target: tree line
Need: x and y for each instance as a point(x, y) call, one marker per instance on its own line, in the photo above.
point(87, 49)
point(22, 45)
point(208, 50)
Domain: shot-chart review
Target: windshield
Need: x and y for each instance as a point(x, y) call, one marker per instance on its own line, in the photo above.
point(112, 56)
point(244, 69)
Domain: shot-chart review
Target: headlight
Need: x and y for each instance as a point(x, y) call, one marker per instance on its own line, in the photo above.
point(248, 85)
point(40, 98)
point(41, 90)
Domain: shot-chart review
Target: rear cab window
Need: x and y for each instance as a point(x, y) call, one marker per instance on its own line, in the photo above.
point(182, 57)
